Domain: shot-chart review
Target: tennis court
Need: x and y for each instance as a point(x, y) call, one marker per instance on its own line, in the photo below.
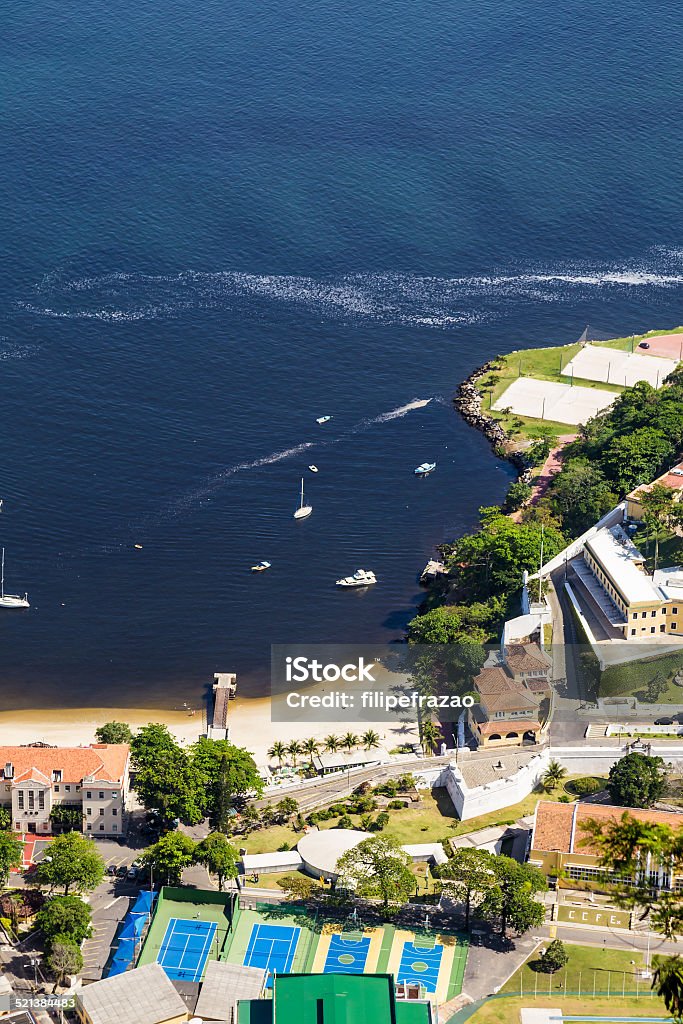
point(615, 367)
point(347, 955)
point(272, 947)
point(547, 400)
point(185, 948)
point(420, 966)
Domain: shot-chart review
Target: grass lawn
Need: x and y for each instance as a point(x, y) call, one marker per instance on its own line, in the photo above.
point(506, 1011)
point(610, 970)
point(545, 364)
point(632, 678)
point(433, 819)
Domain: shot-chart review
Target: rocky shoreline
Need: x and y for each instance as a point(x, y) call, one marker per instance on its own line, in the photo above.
point(468, 402)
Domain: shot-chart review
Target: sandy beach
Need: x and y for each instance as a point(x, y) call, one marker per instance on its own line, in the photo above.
point(250, 726)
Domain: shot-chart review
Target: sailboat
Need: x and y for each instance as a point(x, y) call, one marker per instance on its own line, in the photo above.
point(303, 511)
point(10, 600)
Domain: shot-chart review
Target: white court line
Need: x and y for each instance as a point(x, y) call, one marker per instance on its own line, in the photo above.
point(294, 938)
point(200, 966)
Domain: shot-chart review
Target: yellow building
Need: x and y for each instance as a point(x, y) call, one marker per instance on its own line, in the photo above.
point(557, 846)
point(646, 605)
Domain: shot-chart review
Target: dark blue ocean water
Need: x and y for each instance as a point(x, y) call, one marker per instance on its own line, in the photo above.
point(219, 221)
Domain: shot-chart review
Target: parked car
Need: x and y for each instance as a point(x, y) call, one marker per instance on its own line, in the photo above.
point(122, 871)
point(644, 344)
point(111, 870)
point(132, 873)
point(664, 721)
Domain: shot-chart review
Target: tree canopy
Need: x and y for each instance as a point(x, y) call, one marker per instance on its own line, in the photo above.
point(466, 878)
point(377, 867)
point(511, 899)
point(169, 856)
point(637, 780)
point(65, 957)
point(114, 732)
point(66, 916)
point(11, 850)
point(72, 862)
point(218, 856)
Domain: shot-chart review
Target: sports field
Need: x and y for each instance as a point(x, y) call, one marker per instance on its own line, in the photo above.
point(624, 368)
point(548, 400)
point(190, 927)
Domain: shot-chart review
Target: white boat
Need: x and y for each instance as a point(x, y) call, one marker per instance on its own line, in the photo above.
point(10, 600)
point(360, 578)
point(313, 469)
point(425, 468)
point(323, 419)
point(303, 510)
point(261, 566)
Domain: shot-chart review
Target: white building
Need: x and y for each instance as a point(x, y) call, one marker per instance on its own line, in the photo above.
point(37, 781)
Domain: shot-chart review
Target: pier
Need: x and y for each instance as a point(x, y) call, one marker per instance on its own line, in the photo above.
point(224, 690)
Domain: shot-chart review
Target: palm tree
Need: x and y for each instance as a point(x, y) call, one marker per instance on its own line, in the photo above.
point(310, 747)
point(294, 749)
point(430, 735)
point(331, 743)
point(370, 739)
point(553, 775)
point(349, 741)
point(278, 750)
point(667, 979)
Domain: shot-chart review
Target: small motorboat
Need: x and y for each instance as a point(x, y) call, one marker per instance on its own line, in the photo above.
point(303, 511)
point(313, 469)
point(323, 419)
point(261, 566)
point(425, 468)
point(360, 578)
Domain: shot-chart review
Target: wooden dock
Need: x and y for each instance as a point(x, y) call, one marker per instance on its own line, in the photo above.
point(224, 690)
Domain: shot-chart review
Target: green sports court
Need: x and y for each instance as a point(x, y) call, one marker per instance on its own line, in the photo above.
point(286, 939)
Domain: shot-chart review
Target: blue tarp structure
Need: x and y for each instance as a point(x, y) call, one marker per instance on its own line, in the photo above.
point(133, 926)
point(143, 903)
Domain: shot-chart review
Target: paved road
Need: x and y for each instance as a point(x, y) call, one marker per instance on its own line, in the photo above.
point(319, 791)
point(566, 726)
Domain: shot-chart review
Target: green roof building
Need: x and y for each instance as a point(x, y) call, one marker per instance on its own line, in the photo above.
point(334, 999)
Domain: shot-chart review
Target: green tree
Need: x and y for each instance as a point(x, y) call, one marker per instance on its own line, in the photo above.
point(466, 877)
point(331, 743)
point(377, 867)
point(667, 980)
point(370, 739)
point(511, 899)
point(445, 624)
point(223, 772)
point(72, 862)
point(11, 853)
point(430, 735)
point(114, 732)
point(518, 493)
point(310, 747)
point(64, 958)
point(637, 780)
point(149, 742)
point(297, 887)
point(65, 916)
point(580, 495)
point(5, 819)
point(636, 456)
point(278, 750)
point(348, 741)
point(294, 750)
point(218, 856)
point(169, 856)
point(553, 775)
point(170, 785)
point(660, 511)
point(554, 957)
point(286, 807)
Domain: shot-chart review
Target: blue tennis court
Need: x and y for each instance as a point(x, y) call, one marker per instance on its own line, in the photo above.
point(420, 966)
point(185, 948)
point(346, 956)
point(272, 947)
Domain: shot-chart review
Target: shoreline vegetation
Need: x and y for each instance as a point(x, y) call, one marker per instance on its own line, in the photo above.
point(631, 442)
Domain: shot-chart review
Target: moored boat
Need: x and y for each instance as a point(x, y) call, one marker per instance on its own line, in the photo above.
point(360, 578)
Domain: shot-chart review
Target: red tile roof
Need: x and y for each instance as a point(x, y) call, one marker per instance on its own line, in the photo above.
point(504, 726)
point(526, 658)
point(101, 762)
point(555, 823)
point(496, 680)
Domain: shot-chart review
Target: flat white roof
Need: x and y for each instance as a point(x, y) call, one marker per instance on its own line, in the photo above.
point(271, 861)
point(618, 556)
point(670, 582)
